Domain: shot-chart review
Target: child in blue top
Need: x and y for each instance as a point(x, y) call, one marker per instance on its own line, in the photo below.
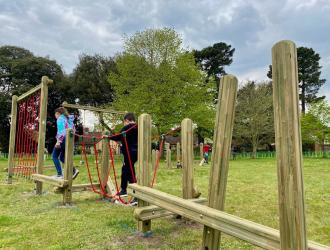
point(63, 122)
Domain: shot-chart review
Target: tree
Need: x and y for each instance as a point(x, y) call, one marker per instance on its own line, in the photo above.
point(254, 115)
point(20, 70)
point(315, 124)
point(169, 86)
point(90, 80)
point(309, 73)
point(5, 105)
point(213, 59)
point(156, 46)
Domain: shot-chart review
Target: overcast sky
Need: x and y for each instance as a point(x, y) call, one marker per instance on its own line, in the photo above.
point(64, 29)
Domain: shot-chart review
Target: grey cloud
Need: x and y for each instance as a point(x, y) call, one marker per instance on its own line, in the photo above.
point(64, 29)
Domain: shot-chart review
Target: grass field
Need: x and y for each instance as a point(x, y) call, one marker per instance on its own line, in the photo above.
point(28, 221)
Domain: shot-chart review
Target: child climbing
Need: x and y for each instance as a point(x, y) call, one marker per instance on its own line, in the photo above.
point(129, 134)
point(63, 121)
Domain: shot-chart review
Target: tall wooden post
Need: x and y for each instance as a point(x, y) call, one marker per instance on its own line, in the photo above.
point(144, 162)
point(221, 154)
point(201, 150)
point(168, 155)
point(12, 139)
point(178, 155)
point(153, 156)
point(42, 129)
point(187, 159)
point(288, 146)
point(105, 161)
point(68, 166)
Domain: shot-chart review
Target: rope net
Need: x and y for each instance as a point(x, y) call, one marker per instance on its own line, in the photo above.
point(93, 163)
point(27, 133)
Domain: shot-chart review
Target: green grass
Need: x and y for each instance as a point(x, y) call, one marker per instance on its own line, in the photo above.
point(28, 221)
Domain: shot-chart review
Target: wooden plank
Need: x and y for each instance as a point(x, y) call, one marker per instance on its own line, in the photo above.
point(243, 229)
point(144, 162)
point(28, 93)
point(90, 108)
point(154, 212)
point(221, 154)
point(42, 129)
point(288, 146)
point(68, 166)
point(168, 155)
point(50, 180)
point(35, 89)
point(12, 139)
point(78, 188)
point(187, 159)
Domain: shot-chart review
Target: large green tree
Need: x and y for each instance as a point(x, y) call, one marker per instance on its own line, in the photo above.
point(20, 70)
point(309, 76)
point(90, 80)
point(254, 122)
point(213, 59)
point(155, 75)
point(315, 124)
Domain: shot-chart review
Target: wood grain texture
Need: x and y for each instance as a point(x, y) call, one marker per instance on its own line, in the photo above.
point(221, 154)
point(144, 162)
point(68, 166)
point(254, 233)
point(42, 129)
point(288, 146)
point(187, 159)
point(12, 138)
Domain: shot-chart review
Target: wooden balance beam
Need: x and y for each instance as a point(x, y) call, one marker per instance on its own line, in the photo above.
point(154, 212)
point(51, 180)
point(246, 230)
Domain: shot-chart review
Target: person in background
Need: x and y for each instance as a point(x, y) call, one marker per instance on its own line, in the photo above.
point(63, 121)
point(206, 150)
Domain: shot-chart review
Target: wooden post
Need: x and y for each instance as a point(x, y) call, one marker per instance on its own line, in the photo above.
point(201, 150)
point(68, 167)
point(144, 162)
point(221, 154)
point(168, 155)
point(288, 146)
point(153, 159)
point(178, 155)
point(187, 159)
point(105, 161)
point(42, 129)
point(12, 139)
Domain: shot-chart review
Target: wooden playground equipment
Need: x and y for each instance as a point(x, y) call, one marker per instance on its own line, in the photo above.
point(27, 141)
point(154, 204)
point(27, 132)
point(292, 234)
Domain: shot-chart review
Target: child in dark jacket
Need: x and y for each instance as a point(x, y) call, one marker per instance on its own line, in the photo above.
point(130, 156)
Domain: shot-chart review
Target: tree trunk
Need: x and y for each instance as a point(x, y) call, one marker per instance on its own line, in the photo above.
point(303, 100)
point(254, 151)
point(323, 149)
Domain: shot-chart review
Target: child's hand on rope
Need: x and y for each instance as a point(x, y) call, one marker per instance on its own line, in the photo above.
point(57, 145)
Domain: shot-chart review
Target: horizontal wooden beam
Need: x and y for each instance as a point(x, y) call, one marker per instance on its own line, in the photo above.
point(33, 90)
point(50, 180)
point(246, 230)
point(154, 212)
point(78, 188)
point(28, 93)
point(90, 108)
